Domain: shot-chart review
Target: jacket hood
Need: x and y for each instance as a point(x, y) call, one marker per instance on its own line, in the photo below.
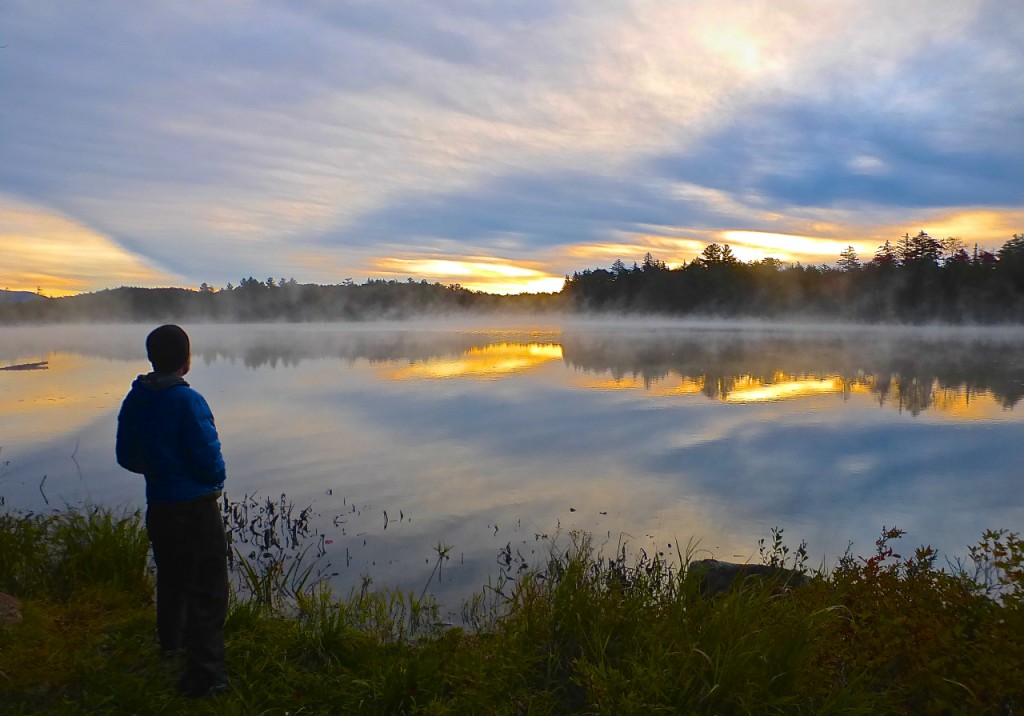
point(159, 381)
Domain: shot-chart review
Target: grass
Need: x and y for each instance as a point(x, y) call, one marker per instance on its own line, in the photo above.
point(590, 634)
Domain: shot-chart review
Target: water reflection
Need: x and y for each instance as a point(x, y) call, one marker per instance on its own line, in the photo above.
point(957, 402)
point(963, 378)
point(399, 437)
point(488, 361)
point(41, 403)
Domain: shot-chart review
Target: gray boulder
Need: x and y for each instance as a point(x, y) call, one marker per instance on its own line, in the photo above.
point(717, 577)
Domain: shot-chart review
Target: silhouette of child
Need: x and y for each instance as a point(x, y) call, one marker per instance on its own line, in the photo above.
point(165, 431)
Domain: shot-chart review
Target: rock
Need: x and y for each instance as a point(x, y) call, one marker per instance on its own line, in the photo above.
point(10, 609)
point(717, 577)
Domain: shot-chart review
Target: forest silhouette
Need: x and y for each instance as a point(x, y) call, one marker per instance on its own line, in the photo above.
point(918, 279)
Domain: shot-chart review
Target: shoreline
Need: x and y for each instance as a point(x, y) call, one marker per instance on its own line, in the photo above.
point(590, 633)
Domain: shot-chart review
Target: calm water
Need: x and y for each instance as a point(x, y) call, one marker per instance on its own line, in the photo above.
point(485, 436)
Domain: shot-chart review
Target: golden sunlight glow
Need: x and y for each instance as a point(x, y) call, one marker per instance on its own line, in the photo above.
point(607, 251)
point(989, 228)
point(41, 404)
point(964, 404)
point(658, 388)
point(737, 44)
point(960, 403)
point(679, 245)
point(541, 285)
point(474, 273)
point(490, 361)
point(41, 250)
point(753, 245)
point(674, 251)
point(748, 389)
point(955, 403)
point(447, 267)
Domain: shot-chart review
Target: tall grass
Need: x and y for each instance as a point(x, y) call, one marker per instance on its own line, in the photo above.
point(64, 553)
point(589, 634)
point(609, 636)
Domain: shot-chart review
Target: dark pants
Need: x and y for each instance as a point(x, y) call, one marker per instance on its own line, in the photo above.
point(190, 551)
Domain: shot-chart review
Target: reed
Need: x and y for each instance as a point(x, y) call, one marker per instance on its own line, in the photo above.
point(590, 633)
point(66, 552)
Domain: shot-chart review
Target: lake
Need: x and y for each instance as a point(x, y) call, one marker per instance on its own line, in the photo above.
point(387, 439)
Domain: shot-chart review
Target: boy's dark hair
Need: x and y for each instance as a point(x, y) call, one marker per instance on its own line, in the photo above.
point(167, 348)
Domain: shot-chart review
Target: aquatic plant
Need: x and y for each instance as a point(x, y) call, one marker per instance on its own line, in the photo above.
point(587, 633)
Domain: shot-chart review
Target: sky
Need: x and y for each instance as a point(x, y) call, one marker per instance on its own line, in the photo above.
point(494, 144)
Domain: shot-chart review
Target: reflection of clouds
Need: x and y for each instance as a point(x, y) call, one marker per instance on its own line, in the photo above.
point(748, 389)
point(841, 481)
point(365, 419)
point(62, 399)
point(659, 388)
point(484, 362)
point(912, 371)
point(958, 403)
point(963, 404)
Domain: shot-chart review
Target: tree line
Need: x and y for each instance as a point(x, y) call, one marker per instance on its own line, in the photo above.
point(916, 279)
point(255, 300)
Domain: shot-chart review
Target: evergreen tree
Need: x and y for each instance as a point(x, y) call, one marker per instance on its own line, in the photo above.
point(848, 260)
point(886, 256)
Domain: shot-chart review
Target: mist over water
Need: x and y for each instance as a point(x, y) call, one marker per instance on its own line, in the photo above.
point(486, 436)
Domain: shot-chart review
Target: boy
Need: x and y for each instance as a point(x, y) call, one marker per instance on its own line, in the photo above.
point(165, 431)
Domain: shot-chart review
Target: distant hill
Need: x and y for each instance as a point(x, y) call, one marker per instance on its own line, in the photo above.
point(19, 296)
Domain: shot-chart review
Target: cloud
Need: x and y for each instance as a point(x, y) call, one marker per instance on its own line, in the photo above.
point(866, 164)
point(234, 140)
point(41, 250)
point(475, 273)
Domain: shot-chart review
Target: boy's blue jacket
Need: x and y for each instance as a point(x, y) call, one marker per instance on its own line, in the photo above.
point(165, 431)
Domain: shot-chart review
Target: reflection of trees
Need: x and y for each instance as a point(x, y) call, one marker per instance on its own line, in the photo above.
point(284, 348)
point(905, 369)
point(252, 346)
point(902, 371)
point(899, 370)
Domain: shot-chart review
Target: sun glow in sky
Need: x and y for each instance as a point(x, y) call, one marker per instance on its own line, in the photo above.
point(475, 274)
point(500, 146)
point(754, 245)
point(43, 251)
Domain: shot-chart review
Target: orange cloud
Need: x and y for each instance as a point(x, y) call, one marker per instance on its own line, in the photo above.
point(809, 242)
point(754, 245)
point(672, 250)
point(475, 273)
point(988, 227)
point(43, 250)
